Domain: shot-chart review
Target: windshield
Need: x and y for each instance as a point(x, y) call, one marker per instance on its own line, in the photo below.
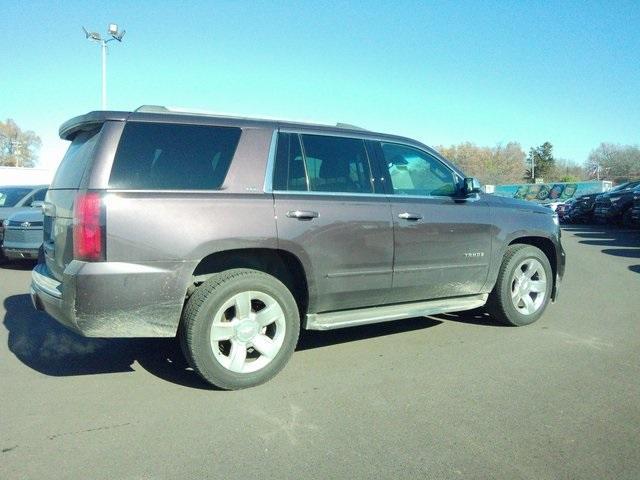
point(10, 196)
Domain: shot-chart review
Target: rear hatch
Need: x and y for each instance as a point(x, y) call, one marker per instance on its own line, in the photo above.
point(58, 208)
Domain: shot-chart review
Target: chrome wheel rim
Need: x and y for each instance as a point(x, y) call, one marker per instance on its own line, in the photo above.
point(529, 287)
point(247, 332)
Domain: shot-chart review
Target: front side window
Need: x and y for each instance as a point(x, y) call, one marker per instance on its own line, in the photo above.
point(37, 197)
point(414, 172)
point(161, 156)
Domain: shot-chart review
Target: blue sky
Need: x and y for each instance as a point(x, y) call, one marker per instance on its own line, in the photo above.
point(441, 72)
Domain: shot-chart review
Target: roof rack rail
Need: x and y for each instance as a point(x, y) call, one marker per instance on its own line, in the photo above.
point(185, 111)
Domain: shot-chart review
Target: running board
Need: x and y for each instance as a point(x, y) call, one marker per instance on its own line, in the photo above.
point(363, 316)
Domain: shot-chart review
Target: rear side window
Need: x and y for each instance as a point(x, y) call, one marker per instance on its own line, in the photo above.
point(329, 164)
point(173, 157)
point(290, 173)
point(75, 161)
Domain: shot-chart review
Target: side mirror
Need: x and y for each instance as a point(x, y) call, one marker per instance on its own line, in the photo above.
point(471, 185)
point(37, 204)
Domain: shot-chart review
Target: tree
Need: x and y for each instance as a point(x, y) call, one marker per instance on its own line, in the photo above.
point(491, 165)
point(18, 148)
point(541, 158)
point(614, 162)
point(566, 171)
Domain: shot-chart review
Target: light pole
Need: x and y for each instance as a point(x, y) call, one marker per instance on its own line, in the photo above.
point(96, 37)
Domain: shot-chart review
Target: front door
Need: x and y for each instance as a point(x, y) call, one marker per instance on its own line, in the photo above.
point(442, 241)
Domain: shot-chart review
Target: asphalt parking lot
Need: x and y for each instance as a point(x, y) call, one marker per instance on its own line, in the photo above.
point(451, 396)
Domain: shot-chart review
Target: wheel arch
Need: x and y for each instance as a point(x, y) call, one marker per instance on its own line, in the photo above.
point(548, 247)
point(283, 265)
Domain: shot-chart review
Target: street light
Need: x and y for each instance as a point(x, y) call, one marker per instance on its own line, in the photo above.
point(115, 34)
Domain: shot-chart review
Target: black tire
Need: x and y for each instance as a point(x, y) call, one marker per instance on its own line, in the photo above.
point(198, 317)
point(500, 304)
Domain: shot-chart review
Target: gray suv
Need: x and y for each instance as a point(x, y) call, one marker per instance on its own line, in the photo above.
point(233, 233)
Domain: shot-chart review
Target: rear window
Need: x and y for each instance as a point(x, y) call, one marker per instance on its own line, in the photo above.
point(75, 161)
point(162, 156)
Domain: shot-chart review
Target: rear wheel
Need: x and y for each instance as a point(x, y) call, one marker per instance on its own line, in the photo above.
point(240, 328)
point(523, 288)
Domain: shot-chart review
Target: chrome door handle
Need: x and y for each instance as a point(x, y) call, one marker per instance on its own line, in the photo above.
point(302, 214)
point(410, 216)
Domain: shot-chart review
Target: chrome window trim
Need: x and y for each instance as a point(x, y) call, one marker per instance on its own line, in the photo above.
point(364, 136)
point(351, 194)
point(327, 194)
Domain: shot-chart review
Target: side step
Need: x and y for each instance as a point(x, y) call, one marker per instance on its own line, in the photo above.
point(363, 316)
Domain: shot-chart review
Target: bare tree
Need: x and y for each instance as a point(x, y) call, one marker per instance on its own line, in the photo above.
point(491, 165)
point(18, 148)
point(614, 162)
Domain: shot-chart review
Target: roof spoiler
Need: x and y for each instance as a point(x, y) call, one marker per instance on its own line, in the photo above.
point(70, 128)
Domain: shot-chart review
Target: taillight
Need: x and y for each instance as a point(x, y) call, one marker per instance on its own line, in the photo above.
point(88, 233)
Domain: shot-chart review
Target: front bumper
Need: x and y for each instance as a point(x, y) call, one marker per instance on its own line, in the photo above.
point(561, 261)
point(109, 299)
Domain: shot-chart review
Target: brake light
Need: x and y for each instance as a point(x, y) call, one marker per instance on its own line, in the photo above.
point(88, 233)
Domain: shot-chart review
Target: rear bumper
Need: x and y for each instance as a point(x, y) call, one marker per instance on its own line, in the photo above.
point(109, 299)
point(20, 253)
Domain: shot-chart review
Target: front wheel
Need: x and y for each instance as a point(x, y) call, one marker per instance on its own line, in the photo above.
point(240, 328)
point(523, 288)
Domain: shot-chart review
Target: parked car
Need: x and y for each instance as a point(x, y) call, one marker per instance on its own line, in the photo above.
point(635, 209)
point(14, 199)
point(615, 205)
point(564, 207)
point(552, 205)
point(582, 211)
point(23, 235)
point(274, 226)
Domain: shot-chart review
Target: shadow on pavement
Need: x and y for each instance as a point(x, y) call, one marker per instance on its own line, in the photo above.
point(316, 339)
point(623, 252)
point(44, 345)
point(627, 240)
point(635, 268)
point(16, 264)
point(478, 316)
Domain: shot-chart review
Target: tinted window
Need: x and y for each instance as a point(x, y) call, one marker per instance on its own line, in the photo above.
point(173, 157)
point(9, 196)
point(336, 164)
point(75, 161)
point(289, 173)
point(39, 195)
point(414, 172)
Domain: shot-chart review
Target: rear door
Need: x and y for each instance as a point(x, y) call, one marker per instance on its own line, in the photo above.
point(442, 242)
point(330, 214)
